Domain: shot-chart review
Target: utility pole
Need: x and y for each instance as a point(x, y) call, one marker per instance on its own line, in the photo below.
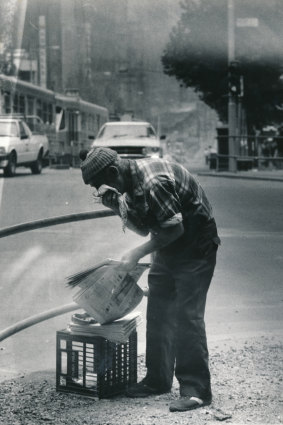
point(42, 52)
point(232, 106)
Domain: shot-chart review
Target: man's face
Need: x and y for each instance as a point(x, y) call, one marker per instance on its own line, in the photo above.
point(98, 180)
point(110, 177)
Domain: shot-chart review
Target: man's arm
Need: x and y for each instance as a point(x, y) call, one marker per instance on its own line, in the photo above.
point(164, 237)
point(136, 226)
point(160, 239)
point(110, 200)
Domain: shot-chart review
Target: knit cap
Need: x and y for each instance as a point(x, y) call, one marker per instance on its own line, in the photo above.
point(96, 160)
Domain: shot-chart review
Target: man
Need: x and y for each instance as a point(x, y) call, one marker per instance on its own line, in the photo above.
point(165, 200)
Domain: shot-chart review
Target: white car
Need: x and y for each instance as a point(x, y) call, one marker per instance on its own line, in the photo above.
point(19, 146)
point(130, 139)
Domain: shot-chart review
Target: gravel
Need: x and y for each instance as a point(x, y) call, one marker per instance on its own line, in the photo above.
point(247, 386)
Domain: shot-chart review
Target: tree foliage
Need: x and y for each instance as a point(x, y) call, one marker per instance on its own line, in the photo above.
point(197, 55)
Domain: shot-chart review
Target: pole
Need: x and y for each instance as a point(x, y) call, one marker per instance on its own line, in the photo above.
point(42, 52)
point(232, 107)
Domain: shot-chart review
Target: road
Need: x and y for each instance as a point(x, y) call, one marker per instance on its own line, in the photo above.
point(245, 299)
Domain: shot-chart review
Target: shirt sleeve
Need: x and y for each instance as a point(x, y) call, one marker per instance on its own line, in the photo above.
point(164, 202)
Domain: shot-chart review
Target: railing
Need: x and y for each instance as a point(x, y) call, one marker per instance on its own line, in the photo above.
point(249, 151)
point(220, 162)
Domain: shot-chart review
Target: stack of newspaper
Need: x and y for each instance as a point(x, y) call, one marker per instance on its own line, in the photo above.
point(117, 331)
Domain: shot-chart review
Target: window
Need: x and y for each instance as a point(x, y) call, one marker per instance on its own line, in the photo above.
point(44, 112)
point(36, 125)
point(83, 121)
point(38, 108)
point(16, 103)
point(22, 104)
point(50, 113)
point(27, 131)
point(90, 122)
point(7, 102)
point(126, 130)
point(8, 128)
point(150, 132)
point(23, 134)
point(60, 118)
point(30, 102)
point(98, 122)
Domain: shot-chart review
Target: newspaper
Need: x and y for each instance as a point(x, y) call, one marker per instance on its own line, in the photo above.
point(117, 331)
point(108, 293)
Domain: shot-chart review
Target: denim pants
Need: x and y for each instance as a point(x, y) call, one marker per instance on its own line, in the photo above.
point(176, 336)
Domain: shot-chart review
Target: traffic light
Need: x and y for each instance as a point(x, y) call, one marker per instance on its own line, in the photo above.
point(235, 79)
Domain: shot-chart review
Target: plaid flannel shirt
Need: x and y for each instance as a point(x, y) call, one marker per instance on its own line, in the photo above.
point(165, 193)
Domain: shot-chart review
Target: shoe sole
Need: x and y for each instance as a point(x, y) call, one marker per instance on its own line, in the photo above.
point(197, 406)
point(144, 395)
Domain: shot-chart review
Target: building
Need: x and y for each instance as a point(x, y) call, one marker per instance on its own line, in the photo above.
point(110, 53)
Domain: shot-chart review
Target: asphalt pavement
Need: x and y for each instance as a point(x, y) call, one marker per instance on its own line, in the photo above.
point(253, 286)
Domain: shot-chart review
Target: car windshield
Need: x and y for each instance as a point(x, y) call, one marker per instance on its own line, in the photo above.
point(8, 128)
point(127, 130)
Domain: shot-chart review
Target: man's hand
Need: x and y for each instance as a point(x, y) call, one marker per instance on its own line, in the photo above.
point(129, 261)
point(110, 200)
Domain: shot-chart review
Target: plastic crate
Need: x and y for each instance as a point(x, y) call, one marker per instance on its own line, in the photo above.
point(94, 366)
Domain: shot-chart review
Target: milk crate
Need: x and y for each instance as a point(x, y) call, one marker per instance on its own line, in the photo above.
point(93, 366)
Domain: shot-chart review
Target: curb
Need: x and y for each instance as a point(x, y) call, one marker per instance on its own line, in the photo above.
point(235, 176)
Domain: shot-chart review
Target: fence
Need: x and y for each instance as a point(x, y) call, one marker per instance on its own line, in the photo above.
point(250, 152)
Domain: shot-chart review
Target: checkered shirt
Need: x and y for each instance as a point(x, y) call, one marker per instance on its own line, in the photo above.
point(165, 193)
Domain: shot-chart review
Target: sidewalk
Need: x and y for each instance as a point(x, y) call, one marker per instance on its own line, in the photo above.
point(246, 381)
point(268, 175)
point(198, 167)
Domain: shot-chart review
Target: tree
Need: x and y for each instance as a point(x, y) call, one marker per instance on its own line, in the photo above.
point(197, 55)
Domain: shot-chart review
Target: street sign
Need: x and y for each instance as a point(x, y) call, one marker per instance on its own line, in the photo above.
point(247, 22)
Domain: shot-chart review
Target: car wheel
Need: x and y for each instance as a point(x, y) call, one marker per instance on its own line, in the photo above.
point(10, 169)
point(36, 166)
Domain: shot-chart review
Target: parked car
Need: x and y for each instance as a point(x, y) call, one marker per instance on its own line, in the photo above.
point(19, 146)
point(130, 139)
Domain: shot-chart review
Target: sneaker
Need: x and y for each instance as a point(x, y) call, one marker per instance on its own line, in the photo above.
point(142, 389)
point(188, 403)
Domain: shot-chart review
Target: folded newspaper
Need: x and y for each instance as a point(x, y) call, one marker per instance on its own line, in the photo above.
point(117, 331)
point(108, 293)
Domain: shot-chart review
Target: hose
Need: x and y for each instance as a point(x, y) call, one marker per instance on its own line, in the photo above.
point(33, 320)
point(41, 317)
point(38, 224)
point(46, 222)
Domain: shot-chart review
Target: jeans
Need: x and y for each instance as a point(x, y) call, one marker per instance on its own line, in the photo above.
point(176, 336)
